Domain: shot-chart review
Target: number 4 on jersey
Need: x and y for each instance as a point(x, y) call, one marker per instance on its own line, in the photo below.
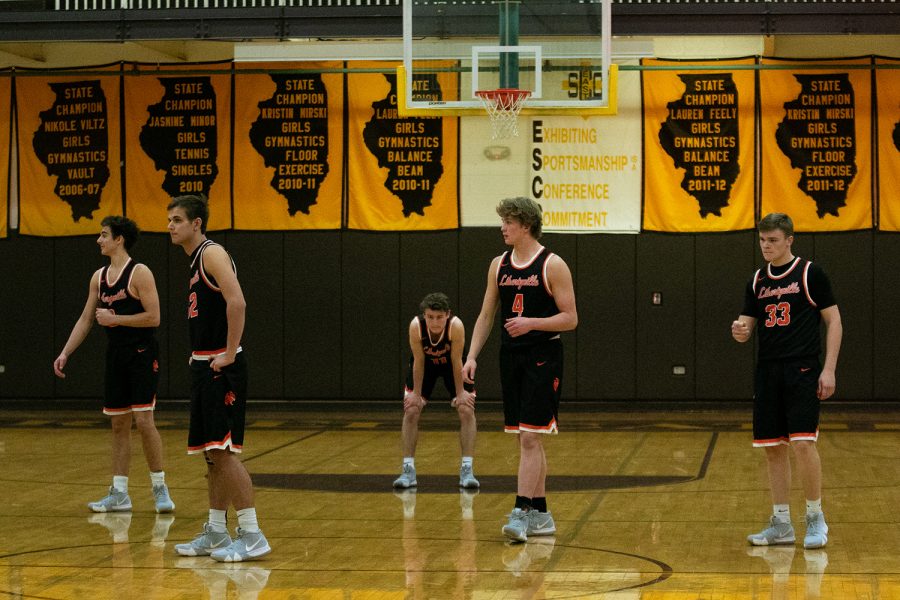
point(518, 306)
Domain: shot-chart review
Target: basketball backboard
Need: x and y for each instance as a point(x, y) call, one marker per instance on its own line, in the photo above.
point(558, 50)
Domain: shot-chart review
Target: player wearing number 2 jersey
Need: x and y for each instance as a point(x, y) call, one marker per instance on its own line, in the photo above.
point(785, 301)
point(533, 289)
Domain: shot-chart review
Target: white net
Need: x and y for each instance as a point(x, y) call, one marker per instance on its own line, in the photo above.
point(503, 107)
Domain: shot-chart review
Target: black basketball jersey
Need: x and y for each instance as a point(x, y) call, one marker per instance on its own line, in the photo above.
point(524, 292)
point(786, 301)
point(437, 353)
point(207, 317)
point(115, 295)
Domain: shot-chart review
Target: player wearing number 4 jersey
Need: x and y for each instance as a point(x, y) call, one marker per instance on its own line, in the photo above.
point(533, 289)
point(785, 301)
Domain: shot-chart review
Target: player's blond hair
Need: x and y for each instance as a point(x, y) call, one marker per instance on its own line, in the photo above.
point(524, 210)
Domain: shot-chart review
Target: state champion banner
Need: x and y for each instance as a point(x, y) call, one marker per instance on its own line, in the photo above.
point(177, 140)
point(699, 161)
point(816, 143)
point(586, 171)
point(402, 171)
point(5, 140)
point(68, 151)
point(887, 83)
point(288, 146)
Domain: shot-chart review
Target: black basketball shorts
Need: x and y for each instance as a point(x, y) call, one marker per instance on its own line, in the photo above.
point(786, 404)
point(531, 378)
point(132, 378)
point(430, 378)
point(218, 406)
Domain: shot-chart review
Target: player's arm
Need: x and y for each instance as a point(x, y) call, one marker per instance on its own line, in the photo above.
point(457, 342)
point(834, 332)
point(81, 328)
point(742, 328)
point(143, 287)
point(218, 264)
point(559, 280)
point(418, 367)
point(484, 322)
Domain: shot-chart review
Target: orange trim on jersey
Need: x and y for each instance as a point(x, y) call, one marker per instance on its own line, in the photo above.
point(806, 284)
point(786, 273)
point(544, 275)
point(527, 264)
point(225, 444)
point(105, 273)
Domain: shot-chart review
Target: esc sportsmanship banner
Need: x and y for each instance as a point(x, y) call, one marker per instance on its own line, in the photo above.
point(816, 143)
point(699, 164)
point(177, 140)
point(288, 146)
point(69, 149)
point(5, 133)
point(586, 172)
point(402, 170)
point(888, 86)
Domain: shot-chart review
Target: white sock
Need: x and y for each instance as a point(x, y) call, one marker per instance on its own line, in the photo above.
point(217, 520)
point(409, 460)
point(247, 520)
point(813, 507)
point(466, 461)
point(120, 482)
point(158, 478)
point(782, 512)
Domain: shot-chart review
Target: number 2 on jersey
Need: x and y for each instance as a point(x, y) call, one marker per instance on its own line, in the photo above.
point(779, 314)
point(518, 306)
point(192, 307)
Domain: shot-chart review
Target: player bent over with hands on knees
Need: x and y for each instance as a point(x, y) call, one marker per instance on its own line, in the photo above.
point(436, 340)
point(785, 301)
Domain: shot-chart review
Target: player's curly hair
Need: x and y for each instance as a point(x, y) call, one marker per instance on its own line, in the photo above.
point(435, 301)
point(780, 221)
point(524, 210)
point(122, 227)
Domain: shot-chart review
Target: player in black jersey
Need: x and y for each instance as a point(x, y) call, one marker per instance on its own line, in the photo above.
point(216, 311)
point(533, 289)
point(785, 301)
point(436, 341)
point(122, 298)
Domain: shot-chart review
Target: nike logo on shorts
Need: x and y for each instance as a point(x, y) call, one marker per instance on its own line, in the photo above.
point(804, 369)
point(541, 363)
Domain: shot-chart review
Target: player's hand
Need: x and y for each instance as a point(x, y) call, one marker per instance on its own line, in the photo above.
point(59, 364)
point(106, 317)
point(826, 385)
point(740, 331)
point(464, 398)
point(518, 326)
point(413, 400)
point(220, 362)
point(468, 370)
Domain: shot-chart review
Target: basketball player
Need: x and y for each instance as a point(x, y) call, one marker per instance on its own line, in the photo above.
point(436, 339)
point(534, 290)
point(216, 310)
point(785, 301)
point(122, 298)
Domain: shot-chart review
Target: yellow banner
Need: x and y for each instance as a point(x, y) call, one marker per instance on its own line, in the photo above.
point(402, 172)
point(177, 140)
point(288, 146)
point(887, 82)
point(699, 163)
point(68, 151)
point(5, 133)
point(816, 158)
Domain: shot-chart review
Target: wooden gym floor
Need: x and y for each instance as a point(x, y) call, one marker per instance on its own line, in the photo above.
point(653, 504)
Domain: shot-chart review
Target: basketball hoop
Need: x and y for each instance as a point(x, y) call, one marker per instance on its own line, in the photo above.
point(503, 107)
